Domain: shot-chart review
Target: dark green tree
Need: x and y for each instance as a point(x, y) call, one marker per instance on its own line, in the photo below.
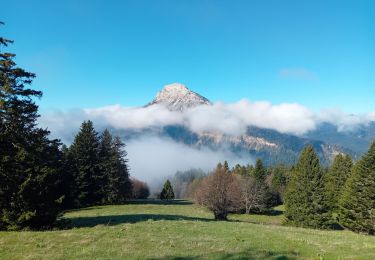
point(119, 185)
point(240, 170)
point(278, 183)
point(30, 163)
point(336, 178)
point(167, 192)
point(305, 197)
point(357, 204)
point(86, 166)
point(259, 172)
point(106, 165)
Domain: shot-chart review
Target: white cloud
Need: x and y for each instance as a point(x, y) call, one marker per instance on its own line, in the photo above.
point(151, 158)
point(344, 121)
point(231, 119)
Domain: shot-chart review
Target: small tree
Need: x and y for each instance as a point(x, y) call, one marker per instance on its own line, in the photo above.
point(167, 192)
point(140, 189)
point(220, 192)
point(254, 194)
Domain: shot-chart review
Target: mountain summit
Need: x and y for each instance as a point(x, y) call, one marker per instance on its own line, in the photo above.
point(178, 97)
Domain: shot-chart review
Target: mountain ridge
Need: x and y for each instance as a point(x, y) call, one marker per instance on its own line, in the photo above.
point(177, 97)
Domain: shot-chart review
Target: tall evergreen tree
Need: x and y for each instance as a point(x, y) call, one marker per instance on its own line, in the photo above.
point(336, 177)
point(30, 176)
point(119, 187)
point(357, 204)
point(167, 192)
point(305, 197)
point(105, 165)
point(86, 163)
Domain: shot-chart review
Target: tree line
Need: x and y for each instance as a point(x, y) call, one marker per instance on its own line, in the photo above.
point(39, 177)
point(341, 196)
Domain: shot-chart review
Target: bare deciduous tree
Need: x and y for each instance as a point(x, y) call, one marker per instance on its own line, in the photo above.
point(220, 192)
point(253, 194)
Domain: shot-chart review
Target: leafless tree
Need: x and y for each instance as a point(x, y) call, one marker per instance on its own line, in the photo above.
point(220, 192)
point(140, 189)
point(254, 194)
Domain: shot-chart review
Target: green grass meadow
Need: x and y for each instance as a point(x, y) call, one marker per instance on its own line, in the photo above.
point(180, 230)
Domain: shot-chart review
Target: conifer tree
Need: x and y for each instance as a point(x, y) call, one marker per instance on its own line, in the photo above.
point(336, 177)
point(259, 172)
point(167, 192)
point(30, 175)
point(105, 165)
point(305, 197)
point(119, 185)
point(86, 163)
point(357, 204)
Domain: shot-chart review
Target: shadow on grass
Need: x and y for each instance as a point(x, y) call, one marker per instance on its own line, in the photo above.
point(131, 218)
point(246, 254)
point(273, 212)
point(137, 202)
point(160, 202)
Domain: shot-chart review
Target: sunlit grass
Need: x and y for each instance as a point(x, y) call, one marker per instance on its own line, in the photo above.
point(180, 229)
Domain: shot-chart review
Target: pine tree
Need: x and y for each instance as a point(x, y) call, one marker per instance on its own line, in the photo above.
point(119, 187)
point(87, 176)
point(259, 172)
point(336, 177)
point(357, 204)
point(305, 197)
point(30, 175)
point(105, 165)
point(167, 192)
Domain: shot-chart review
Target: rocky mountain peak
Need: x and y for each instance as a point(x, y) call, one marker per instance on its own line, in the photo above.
point(178, 97)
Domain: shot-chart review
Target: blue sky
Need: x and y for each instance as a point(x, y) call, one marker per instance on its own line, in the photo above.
point(320, 54)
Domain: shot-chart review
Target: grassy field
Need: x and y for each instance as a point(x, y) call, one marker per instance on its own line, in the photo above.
point(180, 230)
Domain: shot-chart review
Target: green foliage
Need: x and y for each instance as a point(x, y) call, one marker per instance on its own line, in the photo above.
point(118, 185)
point(30, 163)
point(259, 172)
point(167, 192)
point(357, 204)
point(86, 166)
point(278, 183)
point(336, 177)
point(240, 170)
point(305, 197)
point(99, 168)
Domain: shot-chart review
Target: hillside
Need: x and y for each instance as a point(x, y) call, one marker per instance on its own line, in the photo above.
point(179, 229)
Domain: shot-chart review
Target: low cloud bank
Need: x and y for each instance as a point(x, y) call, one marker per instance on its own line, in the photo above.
point(231, 119)
point(152, 157)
